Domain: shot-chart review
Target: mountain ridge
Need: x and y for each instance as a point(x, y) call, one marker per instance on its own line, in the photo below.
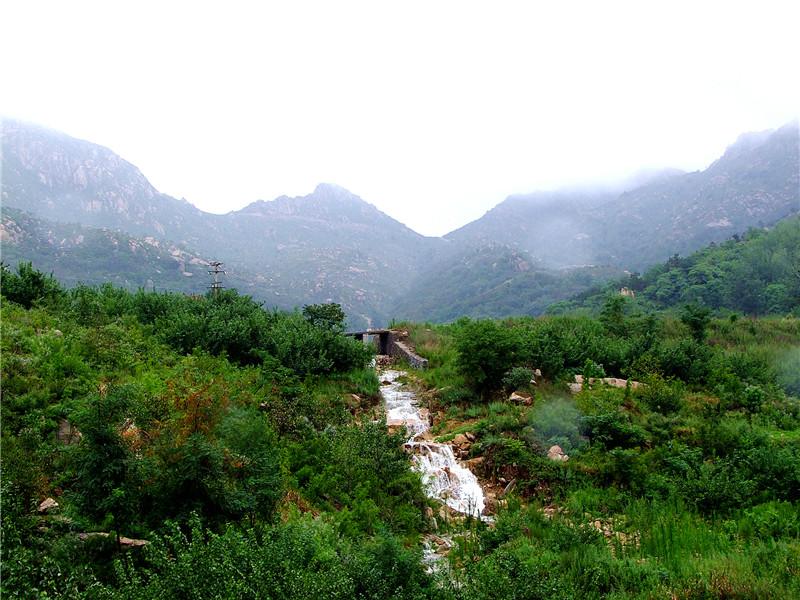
point(333, 246)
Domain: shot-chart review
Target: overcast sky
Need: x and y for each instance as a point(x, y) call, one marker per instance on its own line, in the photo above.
point(433, 111)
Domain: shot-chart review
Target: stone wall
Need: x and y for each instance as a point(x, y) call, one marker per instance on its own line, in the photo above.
point(401, 350)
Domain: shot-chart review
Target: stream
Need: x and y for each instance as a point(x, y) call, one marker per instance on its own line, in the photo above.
point(443, 477)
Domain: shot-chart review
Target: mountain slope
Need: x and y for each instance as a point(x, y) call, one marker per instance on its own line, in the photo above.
point(491, 281)
point(755, 183)
point(327, 246)
point(757, 273)
point(77, 254)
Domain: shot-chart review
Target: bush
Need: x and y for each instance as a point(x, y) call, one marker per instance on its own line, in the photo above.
point(486, 350)
point(661, 395)
point(517, 378)
point(28, 286)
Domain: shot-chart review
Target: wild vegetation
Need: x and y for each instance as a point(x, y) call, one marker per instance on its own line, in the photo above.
point(242, 445)
point(687, 486)
point(757, 274)
point(237, 441)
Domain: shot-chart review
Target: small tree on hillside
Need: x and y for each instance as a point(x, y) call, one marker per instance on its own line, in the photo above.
point(696, 318)
point(325, 316)
point(486, 351)
point(107, 473)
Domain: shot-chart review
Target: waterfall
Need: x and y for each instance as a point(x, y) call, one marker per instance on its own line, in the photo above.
point(443, 477)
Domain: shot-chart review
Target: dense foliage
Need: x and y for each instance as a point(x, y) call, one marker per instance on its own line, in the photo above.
point(756, 274)
point(211, 428)
point(243, 446)
point(686, 486)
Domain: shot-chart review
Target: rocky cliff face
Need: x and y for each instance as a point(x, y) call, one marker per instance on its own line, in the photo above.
point(57, 177)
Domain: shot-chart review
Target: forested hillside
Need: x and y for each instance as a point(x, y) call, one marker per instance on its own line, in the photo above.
point(159, 446)
point(757, 273)
point(492, 281)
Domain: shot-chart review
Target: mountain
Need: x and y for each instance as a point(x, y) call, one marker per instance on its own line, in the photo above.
point(327, 246)
point(756, 273)
point(492, 280)
point(76, 254)
point(81, 211)
point(755, 183)
point(60, 178)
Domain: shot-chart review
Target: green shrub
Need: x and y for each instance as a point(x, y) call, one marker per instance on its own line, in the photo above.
point(661, 395)
point(486, 350)
point(517, 378)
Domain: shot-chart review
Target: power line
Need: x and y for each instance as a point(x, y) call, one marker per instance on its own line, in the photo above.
point(215, 271)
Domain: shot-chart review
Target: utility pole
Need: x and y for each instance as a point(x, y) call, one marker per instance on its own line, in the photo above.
point(215, 271)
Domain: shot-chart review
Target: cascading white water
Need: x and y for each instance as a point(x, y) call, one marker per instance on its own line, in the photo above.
point(443, 477)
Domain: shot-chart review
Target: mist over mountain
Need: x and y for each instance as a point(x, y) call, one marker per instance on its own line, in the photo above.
point(83, 212)
point(755, 183)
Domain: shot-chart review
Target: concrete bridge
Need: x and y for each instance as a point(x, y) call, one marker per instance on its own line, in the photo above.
point(388, 342)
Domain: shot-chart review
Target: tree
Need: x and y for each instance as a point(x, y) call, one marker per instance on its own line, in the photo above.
point(696, 318)
point(28, 285)
point(612, 315)
point(107, 473)
point(486, 351)
point(326, 316)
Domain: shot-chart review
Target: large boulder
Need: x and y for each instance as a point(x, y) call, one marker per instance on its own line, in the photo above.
point(47, 505)
point(520, 398)
point(461, 441)
point(557, 454)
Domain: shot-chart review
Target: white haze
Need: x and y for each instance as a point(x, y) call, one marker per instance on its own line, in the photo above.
point(433, 111)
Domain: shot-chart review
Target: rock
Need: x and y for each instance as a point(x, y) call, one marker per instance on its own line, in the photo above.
point(473, 462)
point(537, 373)
point(131, 542)
point(516, 397)
point(47, 505)
point(428, 512)
point(520, 398)
point(470, 436)
point(575, 387)
point(444, 513)
point(386, 382)
point(461, 440)
point(57, 332)
point(557, 454)
point(67, 433)
point(578, 378)
point(125, 542)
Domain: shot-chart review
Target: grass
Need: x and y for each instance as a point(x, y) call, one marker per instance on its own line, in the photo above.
point(667, 549)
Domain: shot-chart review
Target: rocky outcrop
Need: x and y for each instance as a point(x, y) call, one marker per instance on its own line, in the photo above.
point(124, 542)
point(47, 505)
point(557, 454)
point(580, 381)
